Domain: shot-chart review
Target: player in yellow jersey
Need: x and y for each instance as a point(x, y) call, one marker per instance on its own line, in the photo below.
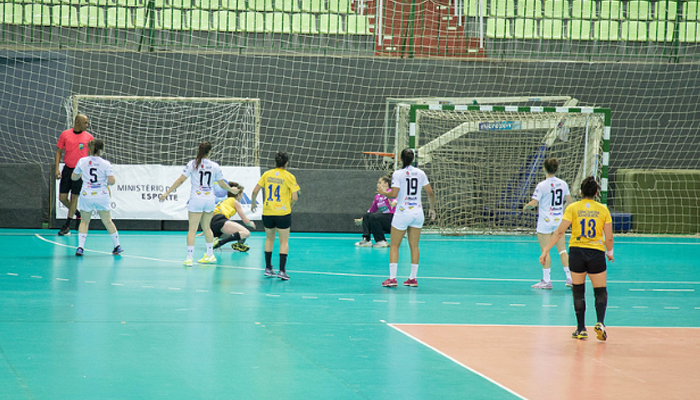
point(591, 236)
point(225, 230)
point(280, 192)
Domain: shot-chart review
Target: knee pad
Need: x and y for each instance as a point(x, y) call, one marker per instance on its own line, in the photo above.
point(579, 292)
point(601, 296)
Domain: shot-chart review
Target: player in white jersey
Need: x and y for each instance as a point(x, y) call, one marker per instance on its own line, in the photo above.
point(97, 176)
point(551, 197)
point(406, 187)
point(203, 173)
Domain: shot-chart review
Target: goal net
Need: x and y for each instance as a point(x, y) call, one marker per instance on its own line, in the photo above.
point(485, 161)
point(168, 130)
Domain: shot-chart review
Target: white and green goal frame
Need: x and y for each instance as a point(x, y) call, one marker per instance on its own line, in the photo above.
point(414, 127)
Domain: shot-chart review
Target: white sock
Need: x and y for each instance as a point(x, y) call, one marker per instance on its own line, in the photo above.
point(567, 271)
point(190, 251)
point(210, 249)
point(115, 238)
point(393, 268)
point(81, 239)
point(546, 274)
point(414, 271)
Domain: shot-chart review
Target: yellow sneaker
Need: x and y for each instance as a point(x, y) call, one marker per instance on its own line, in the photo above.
point(187, 262)
point(207, 259)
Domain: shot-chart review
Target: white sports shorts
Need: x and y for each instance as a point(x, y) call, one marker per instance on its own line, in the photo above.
point(201, 204)
point(94, 200)
point(404, 219)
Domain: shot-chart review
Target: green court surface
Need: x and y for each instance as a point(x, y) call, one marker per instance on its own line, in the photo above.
point(141, 326)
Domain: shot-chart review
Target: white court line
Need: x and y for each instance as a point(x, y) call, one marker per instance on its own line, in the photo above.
point(442, 278)
point(459, 363)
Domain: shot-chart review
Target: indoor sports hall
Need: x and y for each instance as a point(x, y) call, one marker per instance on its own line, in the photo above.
point(140, 325)
point(483, 93)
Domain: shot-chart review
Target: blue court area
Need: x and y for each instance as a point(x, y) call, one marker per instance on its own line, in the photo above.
point(141, 326)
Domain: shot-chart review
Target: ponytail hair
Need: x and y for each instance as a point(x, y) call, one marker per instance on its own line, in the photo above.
point(203, 151)
point(407, 157)
point(281, 159)
point(96, 146)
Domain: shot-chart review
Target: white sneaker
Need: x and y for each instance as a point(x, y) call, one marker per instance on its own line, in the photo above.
point(187, 262)
point(207, 259)
point(364, 243)
point(381, 243)
point(569, 283)
point(542, 285)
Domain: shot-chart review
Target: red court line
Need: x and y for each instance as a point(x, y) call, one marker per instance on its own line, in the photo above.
point(542, 362)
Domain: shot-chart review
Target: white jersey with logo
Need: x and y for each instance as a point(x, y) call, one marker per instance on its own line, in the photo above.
point(203, 177)
point(551, 194)
point(409, 207)
point(94, 195)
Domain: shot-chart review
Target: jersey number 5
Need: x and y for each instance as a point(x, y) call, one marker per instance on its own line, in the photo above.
point(93, 175)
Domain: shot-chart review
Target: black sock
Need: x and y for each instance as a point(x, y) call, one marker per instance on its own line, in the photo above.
point(268, 259)
point(283, 262)
point(601, 302)
point(77, 214)
point(579, 292)
point(67, 223)
point(229, 239)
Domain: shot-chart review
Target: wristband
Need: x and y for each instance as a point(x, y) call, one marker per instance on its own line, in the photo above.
point(609, 253)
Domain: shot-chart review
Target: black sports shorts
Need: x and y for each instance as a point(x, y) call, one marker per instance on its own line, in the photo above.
point(583, 260)
point(277, 221)
point(217, 223)
point(67, 184)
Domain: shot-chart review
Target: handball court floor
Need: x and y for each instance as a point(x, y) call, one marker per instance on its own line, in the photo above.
point(140, 326)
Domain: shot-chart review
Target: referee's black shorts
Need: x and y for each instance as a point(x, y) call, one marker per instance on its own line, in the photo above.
point(583, 260)
point(277, 221)
point(67, 184)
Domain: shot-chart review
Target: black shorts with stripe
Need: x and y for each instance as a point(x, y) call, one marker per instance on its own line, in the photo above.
point(583, 260)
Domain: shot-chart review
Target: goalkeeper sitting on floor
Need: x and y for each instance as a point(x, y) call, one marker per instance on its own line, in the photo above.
point(224, 229)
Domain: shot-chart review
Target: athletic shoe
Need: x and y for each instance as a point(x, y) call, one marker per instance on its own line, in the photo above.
point(364, 243)
point(569, 283)
point(207, 259)
point(381, 243)
point(600, 331)
point(283, 275)
point(240, 247)
point(187, 262)
point(117, 250)
point(65, 231)
point(269, 272)
point(79, 251)
point(216, 243)
point(580, 335)
point(390, 283)
point(542, 285)
point(411, 282)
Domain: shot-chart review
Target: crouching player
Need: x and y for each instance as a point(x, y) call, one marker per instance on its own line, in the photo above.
point(225, 230)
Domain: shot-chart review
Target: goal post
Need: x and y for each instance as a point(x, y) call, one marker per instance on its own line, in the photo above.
point(484, 161)
point(167, 130)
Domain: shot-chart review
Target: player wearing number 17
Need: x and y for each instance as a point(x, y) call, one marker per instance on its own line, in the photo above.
point(204, 172)
point(280, 192)
point(591, 236)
